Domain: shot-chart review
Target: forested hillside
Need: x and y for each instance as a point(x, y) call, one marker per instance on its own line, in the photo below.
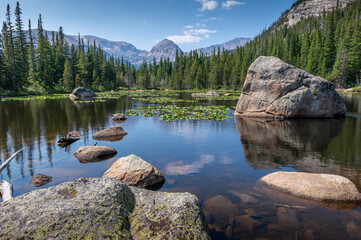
point(328, 46)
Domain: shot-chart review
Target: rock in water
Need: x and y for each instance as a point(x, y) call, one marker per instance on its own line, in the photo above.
point(160, 215)
point(205, 95)
point(134, 171)
point(318, 187)
point(118, 118)
point(114, 133)
point(80, 93)
point(40, 180)
point(276, 89)
point(94, 153)
point(101, 208)
point(70, 138)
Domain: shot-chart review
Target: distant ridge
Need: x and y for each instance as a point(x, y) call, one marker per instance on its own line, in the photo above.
point(230, 45)
point(164, 49)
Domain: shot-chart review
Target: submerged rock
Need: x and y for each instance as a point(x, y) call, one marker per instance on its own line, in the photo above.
point(101, 208)
point(134, 171)
point(81, 93)
point(118, 118)
point(276, 89)
point(205, 95)
point(94, 153)
point(160, 215)
point(289, 218)
point(114, 133)
point(318, 187)
point(40, 180)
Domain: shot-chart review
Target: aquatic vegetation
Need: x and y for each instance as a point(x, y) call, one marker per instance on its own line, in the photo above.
point(91, 100)
point(140, 94)
point(161, 100)
point(170, 113)
point(28, 98)
point(220, 98)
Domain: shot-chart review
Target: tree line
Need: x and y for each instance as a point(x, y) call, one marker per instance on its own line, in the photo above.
point(328, 46)
point(37, 61)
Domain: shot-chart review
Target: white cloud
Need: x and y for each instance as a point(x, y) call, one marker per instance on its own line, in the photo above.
point(229, 4)
point(156, 40)
point(201, 25)
point(179, 39)
point(197, 32)
point(145, 21)
point(189, 26)
point(207, 5)
point(210, 19)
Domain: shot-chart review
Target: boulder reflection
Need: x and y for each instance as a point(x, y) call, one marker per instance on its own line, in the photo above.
point(303, 144)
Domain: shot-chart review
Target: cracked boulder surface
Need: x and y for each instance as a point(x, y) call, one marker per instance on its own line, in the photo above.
point(275, 89)
point(101, 208)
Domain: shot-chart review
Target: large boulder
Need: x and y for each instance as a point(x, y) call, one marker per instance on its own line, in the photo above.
point(276, 89)
point(101, 208)
point(81, 93)
point(94, 153)
point(318, 187)
point(134, 171)
point(114, 133)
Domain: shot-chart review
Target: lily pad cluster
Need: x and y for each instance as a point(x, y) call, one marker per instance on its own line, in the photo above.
point(28, 98)
point(220, 98)
point(161, 100)
point(170, 113)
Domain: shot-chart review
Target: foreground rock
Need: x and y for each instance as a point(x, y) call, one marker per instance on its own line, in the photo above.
point(94, 153)
point(205, 95)
point(134, 171)
point(40, 180)
point(118, 118)
point(114, 133)
point(81, 93)
point(318, 187)
point(101, 208)
point(276, 89)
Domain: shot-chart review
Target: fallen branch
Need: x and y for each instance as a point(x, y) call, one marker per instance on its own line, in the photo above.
point(8, 161)
point(6, 190)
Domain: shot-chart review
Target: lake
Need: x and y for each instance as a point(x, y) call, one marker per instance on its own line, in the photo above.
point(218, 161)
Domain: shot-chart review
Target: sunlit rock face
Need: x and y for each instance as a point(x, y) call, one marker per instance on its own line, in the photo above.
point(275, 89)
point(311, 8)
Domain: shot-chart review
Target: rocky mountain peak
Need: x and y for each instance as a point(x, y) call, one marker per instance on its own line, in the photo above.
point(306, 8)
point(166, 46)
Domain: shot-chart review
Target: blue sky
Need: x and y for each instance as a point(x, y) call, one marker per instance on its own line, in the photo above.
point(190, 23)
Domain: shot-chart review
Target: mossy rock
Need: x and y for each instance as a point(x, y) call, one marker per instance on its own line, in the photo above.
point(101, 208)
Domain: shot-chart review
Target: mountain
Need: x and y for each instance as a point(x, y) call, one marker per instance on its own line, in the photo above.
point(230, 45)
point(302, 9)
point(164, 49)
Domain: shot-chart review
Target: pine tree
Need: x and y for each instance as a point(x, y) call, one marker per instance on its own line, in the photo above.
point(68, 76)
point(9, 51)
point(32, 77)
point(20, 49)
